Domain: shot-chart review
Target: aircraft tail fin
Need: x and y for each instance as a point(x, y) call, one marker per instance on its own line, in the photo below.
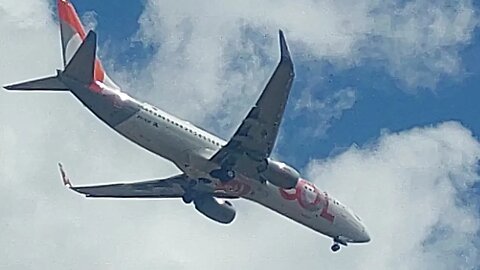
point(82, 65)
point(79, 55)
point(47, 83)
point(80, 68)
point(73, 34)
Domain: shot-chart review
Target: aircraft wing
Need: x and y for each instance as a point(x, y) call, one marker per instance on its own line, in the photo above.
point(172, 187)
point(256, 136)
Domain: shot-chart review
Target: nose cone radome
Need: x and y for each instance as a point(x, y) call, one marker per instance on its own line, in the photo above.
point(359, 233)
point(363, 237)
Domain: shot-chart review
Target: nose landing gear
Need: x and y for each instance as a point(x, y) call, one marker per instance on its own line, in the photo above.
point(337, 241)
point(335, 247)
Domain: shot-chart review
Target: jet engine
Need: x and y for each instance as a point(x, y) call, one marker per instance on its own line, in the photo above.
point(215, 209)
point(280, 174)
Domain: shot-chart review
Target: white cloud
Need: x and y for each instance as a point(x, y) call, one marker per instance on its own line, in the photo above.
point(24, 25)
point(421, 40)
point(420, 172)
point(89, 20)
point(407, 188)
point(324, 111)
point(220, 54)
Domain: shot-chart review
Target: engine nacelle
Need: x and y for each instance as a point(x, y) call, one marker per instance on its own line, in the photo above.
point(281, 175)
point(215, 209)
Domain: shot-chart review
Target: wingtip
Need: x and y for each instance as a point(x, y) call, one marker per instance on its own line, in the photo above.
point(284, 51)
point(65, 179)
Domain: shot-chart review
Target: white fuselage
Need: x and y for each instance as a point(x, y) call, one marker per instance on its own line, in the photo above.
point(190, 148)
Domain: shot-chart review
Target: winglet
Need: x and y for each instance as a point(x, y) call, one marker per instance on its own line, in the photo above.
point(284, 52)
point(65, 179)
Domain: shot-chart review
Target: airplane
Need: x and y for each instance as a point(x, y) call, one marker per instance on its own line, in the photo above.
point(213, 171)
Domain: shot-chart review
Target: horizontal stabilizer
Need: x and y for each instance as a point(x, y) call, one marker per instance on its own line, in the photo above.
point(48, 83)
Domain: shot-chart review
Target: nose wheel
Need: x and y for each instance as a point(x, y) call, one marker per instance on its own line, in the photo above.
point(335, 247)
point(336, 243)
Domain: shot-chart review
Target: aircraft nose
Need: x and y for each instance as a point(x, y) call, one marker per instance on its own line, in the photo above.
point(364, 237)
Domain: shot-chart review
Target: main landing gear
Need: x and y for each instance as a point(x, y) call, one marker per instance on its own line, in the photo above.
point(223, 174)
point(189, 195)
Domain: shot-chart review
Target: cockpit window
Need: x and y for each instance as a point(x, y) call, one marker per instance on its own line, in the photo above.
point(357, 217)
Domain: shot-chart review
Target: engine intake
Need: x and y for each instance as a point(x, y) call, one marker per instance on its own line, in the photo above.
point(280, 174)
point(215, 209)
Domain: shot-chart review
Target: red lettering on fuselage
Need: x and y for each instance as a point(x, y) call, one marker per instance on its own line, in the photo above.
point(308, 197)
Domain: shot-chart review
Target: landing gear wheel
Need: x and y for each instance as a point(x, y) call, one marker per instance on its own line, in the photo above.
point(335, 247)
point(230, 174)
point(223, 175)
point(187, 197)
